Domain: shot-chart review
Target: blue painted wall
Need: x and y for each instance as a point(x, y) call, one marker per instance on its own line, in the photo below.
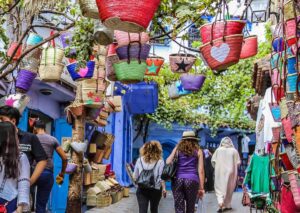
point(120, 125)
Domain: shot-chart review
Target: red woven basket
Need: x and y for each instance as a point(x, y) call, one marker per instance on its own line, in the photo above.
point(249, 47)
point(232, 27)
point(222, 53)
point(129, 16)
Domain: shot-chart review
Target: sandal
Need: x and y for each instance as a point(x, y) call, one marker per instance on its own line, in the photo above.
point(220, 210)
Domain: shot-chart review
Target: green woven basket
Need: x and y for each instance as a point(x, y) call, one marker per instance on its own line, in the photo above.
point(130, 73)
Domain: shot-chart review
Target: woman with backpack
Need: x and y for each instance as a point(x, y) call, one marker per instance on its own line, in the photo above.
point(188, 182)
point(14, 171)
point(147, 173)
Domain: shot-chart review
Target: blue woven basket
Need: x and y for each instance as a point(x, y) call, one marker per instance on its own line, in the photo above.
point(34, 39)
point(142, 98)
point(82, 73)
point(291, 65)
point(291, 82)
point(278, 44)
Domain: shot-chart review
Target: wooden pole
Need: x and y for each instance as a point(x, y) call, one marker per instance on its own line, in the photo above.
point(75, 184)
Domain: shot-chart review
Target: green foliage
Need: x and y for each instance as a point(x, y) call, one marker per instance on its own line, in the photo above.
point(82, 40)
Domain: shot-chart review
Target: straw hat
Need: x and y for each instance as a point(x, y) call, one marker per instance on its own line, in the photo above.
point(190, 135)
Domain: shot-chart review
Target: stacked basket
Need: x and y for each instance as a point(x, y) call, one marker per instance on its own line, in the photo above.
point(132, 50)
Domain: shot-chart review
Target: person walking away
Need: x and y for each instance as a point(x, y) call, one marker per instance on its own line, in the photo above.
point(28, 142)
point(209, 171)
point(147, 173)
point(14, 171)
point(225, 160)
point(45, 181)
point(189, 180)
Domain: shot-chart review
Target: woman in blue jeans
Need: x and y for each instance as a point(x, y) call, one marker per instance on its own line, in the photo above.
point(189, 180)
point(45, 181)
point(14, 171)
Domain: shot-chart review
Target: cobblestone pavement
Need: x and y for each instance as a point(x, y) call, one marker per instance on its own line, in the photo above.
point(129, 205)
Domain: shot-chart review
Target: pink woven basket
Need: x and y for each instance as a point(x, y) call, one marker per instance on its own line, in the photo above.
point(124, 38)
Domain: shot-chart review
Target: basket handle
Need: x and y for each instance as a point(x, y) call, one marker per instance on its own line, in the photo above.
point(129, 46)
point(219, 12)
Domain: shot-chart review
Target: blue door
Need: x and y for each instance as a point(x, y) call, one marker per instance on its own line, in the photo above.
point(59, 194)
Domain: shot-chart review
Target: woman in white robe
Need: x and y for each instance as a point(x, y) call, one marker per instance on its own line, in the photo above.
point(225, 160)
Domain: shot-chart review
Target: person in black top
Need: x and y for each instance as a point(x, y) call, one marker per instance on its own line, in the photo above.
point(29, 143)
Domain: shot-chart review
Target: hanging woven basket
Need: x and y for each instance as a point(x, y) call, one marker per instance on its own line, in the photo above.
point(25, 79)
point(34, 39)
point(221, 29)
point(90, 96)
point(82, 73)
point(89, 8)
point(129, 16)
point(291, 83)
point(51, 66)
point(291, 65)
point(176, 90)
point(181, 62)
point(135, 51)
point(249, 48)
point(223, 52)
point(288, 9)
point(130, 72)
point(290, 31)
point(125, 38)
point(111, 59)
point(12, 48)
point(154, 65)
point(192, 82)
point(102, 34)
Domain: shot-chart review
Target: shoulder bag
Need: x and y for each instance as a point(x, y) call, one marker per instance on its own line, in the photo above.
point(170, 170)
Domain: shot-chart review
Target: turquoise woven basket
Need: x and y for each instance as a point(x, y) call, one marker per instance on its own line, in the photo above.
point(34, 39)
point(130, 72)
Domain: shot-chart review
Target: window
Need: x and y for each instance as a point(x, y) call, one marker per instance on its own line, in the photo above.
point(165, 41)
point(194, 35)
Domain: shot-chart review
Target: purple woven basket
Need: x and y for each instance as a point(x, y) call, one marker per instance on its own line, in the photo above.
point(135, 52)
point(192, 82)
point(83, 73)
point(25, 79)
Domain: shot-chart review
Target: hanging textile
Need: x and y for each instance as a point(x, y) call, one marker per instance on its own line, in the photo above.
point(257, 174)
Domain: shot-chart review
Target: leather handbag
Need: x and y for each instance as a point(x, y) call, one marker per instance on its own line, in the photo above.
point(169, 170)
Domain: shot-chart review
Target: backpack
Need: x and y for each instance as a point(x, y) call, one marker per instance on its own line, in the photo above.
point(146, 180)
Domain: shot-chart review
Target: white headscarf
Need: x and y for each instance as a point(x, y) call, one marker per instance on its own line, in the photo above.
point(226, 142)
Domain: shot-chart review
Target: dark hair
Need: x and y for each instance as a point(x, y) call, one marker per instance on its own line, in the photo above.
point(39, 124)
point(11, 112)
point(9, 150)
point(188, 147)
